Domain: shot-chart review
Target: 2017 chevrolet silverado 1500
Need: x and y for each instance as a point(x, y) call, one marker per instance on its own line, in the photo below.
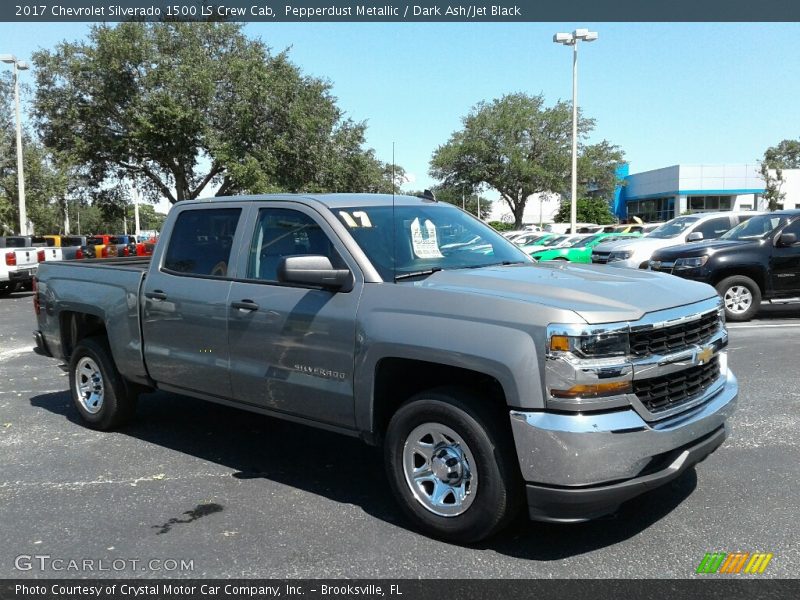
point(488, 380)
point(756, 260)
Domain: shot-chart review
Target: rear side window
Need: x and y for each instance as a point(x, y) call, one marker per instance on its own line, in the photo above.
point(16, 242)
point(714, 228)
point(71, 241)
point(201, 242)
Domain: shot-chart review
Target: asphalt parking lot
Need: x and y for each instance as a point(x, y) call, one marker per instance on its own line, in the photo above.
point(242, 495)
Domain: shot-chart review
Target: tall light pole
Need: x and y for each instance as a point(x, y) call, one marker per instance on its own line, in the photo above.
point(572, 39)
point(19, 65)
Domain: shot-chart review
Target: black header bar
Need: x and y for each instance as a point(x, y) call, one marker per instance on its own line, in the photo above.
point(403, 11)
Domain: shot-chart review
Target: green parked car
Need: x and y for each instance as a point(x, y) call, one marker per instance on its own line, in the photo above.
point(581, 252)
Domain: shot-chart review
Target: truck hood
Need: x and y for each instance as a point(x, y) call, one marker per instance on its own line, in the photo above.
point(596, 293)
point(701, 248)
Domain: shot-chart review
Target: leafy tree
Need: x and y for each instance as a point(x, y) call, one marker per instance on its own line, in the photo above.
point(590, 210)
point(181, 108)
point(149, 219)
point(45, 183)
point(464, 198)
point(785, 155)
point(502, 225)
point(520, 147)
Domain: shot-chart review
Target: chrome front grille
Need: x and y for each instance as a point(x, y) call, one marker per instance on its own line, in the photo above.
point(664, 340)
point(659, 394)
point(600, 257)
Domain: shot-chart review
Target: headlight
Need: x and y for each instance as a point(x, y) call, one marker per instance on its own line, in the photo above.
point(693, 262)
point(621, 255)
point(603, 345)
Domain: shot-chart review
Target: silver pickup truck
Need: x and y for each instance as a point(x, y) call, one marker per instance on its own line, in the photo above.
point(490, 381)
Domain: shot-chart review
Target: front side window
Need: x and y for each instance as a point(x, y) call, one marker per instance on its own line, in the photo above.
point(405, 240)
point(282, 232)
point(201, 242)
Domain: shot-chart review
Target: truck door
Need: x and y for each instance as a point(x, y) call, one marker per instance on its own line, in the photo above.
point(785, 265)
point(292, 347)
point(185, 304)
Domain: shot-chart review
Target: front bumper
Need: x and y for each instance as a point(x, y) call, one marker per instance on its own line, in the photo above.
point(581, 466)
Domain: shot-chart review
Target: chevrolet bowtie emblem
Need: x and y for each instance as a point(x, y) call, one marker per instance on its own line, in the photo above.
point(704, 355)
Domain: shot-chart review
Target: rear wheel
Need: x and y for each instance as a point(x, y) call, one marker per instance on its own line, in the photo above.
point(6, 288)
point(99, 392)
point(741, 297)
point(452, 465)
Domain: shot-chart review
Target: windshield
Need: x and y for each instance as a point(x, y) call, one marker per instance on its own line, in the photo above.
point(525, 240)
point(425, 238)
point(674, 228)
point(554, 241)
point(755, 227)
point(592, 239)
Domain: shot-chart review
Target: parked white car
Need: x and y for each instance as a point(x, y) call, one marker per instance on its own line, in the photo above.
point(636, 253)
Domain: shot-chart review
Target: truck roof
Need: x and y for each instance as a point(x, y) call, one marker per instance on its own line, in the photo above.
point(329, 200)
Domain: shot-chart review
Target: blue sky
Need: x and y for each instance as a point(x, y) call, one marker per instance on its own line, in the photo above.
point(666, 93)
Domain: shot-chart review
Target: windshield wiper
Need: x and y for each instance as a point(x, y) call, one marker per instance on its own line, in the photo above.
point(417, 274)
point(505, 263)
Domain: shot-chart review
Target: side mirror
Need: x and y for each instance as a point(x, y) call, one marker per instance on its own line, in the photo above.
point(695, 236)
point(316, 270)
point(787, 239)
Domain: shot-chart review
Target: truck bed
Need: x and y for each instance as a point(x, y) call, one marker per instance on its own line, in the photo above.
point(107, 289)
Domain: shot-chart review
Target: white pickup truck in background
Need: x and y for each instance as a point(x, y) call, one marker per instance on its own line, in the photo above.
point(18, 265)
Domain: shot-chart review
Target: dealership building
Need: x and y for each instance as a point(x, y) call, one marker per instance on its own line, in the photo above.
point(662, 194)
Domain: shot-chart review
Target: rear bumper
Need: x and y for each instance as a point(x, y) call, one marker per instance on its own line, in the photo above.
point(581, 466)
point(22, 275)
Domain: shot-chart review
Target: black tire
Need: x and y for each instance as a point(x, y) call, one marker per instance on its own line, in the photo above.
point(498, 492)
point(6, 289)
point(118, 403)
point(728, 286)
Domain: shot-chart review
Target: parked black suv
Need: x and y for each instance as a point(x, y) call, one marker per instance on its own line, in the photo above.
point(757, 260)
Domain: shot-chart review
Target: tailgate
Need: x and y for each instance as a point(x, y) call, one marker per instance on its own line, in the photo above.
point(48, 254)
point(26, 258)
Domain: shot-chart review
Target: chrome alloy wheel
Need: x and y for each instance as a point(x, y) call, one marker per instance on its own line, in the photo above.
point(738, 299)
point(440, 469)
point(89, 384)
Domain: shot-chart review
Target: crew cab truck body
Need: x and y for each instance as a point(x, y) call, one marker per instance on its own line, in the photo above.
point(759, 260)
point(635, 254)
point(490, 381)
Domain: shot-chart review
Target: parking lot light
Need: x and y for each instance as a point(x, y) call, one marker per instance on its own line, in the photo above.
point(19, 65)
point(572, 39)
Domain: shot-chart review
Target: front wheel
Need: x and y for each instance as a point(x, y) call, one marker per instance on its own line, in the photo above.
point(741, 297)
point(99, 392)
point(452, 465)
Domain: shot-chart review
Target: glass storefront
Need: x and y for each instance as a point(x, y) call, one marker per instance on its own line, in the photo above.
point(698, 204)
point(652, 210)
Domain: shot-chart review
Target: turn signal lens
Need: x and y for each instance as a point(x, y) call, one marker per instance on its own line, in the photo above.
point(594, 390)
point(559, 343)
